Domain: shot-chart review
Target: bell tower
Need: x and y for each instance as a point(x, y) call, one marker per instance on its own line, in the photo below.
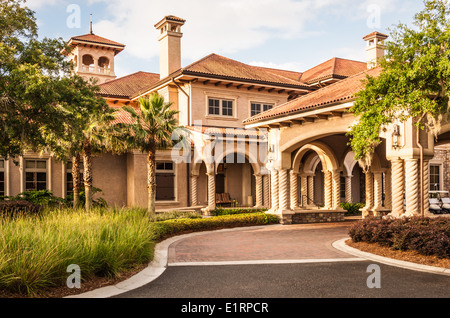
point(93, 56)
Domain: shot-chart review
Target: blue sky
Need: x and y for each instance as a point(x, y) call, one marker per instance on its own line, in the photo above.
point(285, 34)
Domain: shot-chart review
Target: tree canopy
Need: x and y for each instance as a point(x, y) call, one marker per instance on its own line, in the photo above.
point(31, 80)
point(414, 81)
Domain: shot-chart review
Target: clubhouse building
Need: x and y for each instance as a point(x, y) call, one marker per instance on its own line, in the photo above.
point(260, 137)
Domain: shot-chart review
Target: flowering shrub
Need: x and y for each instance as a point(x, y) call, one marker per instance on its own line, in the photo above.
point(427, 236)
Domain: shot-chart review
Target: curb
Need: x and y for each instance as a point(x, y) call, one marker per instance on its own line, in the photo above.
point(154, 269)
point(340, 245)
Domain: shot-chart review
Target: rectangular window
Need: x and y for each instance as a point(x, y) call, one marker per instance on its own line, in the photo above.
point(35, 174)
point(227, 108)
point(435, 177)
point(256, 108)
point(165, 181)
point(2, 177)
point(214, 107)
point(220, 107)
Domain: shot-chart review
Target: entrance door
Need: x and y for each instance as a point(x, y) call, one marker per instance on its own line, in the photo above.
point(220, 183)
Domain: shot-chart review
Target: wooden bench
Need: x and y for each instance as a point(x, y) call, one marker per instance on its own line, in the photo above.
point(223, 198)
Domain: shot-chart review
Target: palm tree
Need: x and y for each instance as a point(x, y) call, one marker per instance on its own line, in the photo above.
point(85, 127)
point(154, 125)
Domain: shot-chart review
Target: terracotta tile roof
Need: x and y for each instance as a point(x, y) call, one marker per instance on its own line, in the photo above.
point(95, 39)
point(122, 116)
point(374, 33)
point(172, 18)
point(127, 86)
point(341, 91)
point(335, 67)
point(214, 64)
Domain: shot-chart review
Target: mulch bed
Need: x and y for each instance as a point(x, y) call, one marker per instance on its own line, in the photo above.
point(94, 283)
point(408, 256)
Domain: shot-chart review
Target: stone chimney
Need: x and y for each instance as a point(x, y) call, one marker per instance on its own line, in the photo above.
point(169, 44)
point(375, 48)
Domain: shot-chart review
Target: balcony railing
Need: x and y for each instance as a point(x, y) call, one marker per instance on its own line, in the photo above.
point(93, 69)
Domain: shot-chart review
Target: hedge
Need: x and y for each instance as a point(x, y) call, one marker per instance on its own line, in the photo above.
point(18, 207)
point(427, 236)
point(163, 229)
point(222, 211)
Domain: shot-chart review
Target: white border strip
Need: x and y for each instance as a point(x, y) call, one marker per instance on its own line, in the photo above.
point(270, 261)
point(340, 245)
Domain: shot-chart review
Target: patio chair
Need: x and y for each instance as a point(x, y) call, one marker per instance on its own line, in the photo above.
point(445, 205)
point(435, 207)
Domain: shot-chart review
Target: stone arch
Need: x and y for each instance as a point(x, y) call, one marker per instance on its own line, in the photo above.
point(248, 155)
point(103, 62)
point(311, 163)
point(325, 153)
point(87, 60)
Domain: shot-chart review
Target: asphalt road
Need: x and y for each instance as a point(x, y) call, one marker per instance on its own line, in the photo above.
point(305, 280)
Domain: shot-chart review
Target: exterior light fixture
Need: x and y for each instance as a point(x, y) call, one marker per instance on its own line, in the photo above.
point(396, 137)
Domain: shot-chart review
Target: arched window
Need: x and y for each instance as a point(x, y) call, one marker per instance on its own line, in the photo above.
point(88, 63)
point(103, 64)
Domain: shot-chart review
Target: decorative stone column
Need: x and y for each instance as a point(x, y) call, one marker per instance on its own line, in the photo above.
point(388, 190)
point(194, 189)
point(426, 188)
point(369, 193)
point(283, 189)
point(304, 190)
point(348, 189)
point(259, 190)
point(266, 190)
point(397, 187)
point(378, 191)
point(328, 189)
point(310, 194)
point(412, 187)
point(293, 185)
point(211, 188)
point(336, 182)
point(275, 202)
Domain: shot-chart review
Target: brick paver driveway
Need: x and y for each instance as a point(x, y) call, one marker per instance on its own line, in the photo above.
point(276, 242)
point(279, 261)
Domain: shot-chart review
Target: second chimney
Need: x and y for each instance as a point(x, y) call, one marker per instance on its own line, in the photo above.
point(169, 44)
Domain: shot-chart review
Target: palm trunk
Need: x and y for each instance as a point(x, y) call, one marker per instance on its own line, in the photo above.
point(87, 174)
point(76, 180)
point(151, 179)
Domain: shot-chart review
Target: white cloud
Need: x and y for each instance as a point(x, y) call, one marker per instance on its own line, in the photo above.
point(220, 26)
point(37, 4)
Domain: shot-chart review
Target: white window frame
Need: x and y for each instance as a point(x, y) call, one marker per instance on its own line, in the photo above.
point(221, 100)
point(262, 104)
point(441, 175)
point(47, 172)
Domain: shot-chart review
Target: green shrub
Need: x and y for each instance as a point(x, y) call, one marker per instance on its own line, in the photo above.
point(352, 208)
point(163, 229)
point(161, 216)
point(427, 236)
point(40, 197)
point(18, 208)
point(221, 211)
